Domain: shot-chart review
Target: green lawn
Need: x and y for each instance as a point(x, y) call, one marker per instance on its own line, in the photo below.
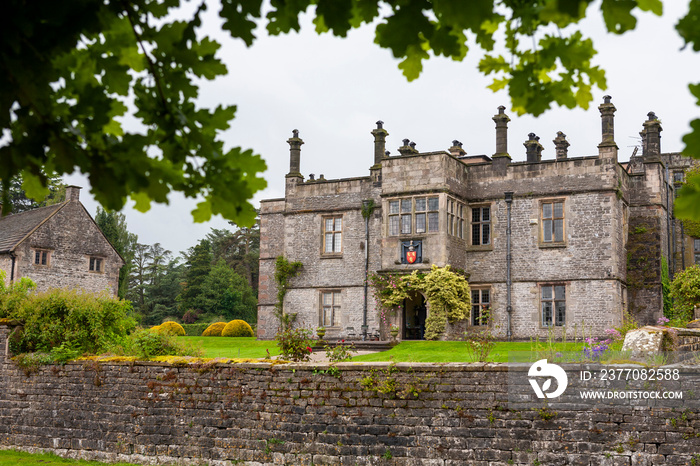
point(227, 347)
point(407, 351)
point(457, 351)
point(12, 457)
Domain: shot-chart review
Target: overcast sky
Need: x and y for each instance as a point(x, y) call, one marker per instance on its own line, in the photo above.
point(334, 90)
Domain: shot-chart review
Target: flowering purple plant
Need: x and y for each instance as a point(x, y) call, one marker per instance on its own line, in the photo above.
point(662, 321)
point(613, 333)
point(594, 349)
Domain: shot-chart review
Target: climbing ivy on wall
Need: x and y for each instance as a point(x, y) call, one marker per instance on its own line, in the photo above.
point(692, 227)
point(666, 288)
point(284, 271)
point(685, 290)
point(446, 291)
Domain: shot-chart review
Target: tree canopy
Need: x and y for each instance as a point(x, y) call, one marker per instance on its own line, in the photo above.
point(71, 72)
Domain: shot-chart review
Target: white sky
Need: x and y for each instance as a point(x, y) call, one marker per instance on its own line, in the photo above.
point(333, 90)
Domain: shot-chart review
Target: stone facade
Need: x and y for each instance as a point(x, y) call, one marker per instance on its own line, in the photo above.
point(59, 246)
point(577, 227)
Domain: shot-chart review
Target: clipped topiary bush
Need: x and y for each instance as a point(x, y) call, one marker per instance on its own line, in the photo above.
point(237, 328)
point(214, 330)
point(170, 328)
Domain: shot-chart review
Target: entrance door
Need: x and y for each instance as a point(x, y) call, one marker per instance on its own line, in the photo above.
point(414, 314)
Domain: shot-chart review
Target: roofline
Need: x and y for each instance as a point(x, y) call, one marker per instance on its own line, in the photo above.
point(103, 235)
point(61, 206)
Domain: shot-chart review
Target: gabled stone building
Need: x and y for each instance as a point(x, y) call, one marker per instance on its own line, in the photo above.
point(59, 246)
point(546, 243)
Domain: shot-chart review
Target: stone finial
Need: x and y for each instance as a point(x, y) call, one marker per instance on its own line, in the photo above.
point(321, 177)
point(533, 148)
point(456, 149)
point(501, 120)
point(387, 153)
point(295, 143)
point(380, 135)
point(607, 115)
point(651, 138)
point(561, 145)
point(312, 177)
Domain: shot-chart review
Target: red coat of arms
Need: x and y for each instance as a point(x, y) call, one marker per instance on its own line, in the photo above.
point(410, 256)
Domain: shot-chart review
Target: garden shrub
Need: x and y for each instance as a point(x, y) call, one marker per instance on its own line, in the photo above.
point(190, 317)
point(295, 343)
point(194, 330)
point(685, 291)
point(214, 330)
point(170, 328)
point(13, 296)
point(89, 322)
point(237, 328)
point(145, 343)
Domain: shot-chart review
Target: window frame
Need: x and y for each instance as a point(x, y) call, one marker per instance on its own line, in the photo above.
point(455, 210)
point(335, 308)
point(333, 234)
point(480, 224)
point(553, 300)
point(479, 304)
point(552, 242)
point(100, 261)
point(44, 257)
point(409, 227)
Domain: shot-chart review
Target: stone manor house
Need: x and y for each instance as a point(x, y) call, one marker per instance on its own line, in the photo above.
point(568, 243)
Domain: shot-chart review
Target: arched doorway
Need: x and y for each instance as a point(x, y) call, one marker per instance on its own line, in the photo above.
point(414, 315)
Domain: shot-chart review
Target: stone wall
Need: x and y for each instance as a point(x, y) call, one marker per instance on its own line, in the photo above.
point(6, 266)
point(432, 414)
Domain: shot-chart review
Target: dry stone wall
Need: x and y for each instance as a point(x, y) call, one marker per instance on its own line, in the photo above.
point(422, 414)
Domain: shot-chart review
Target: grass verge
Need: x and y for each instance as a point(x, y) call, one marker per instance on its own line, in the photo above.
point(456, 351)
point(14, 457)
point(229, 347)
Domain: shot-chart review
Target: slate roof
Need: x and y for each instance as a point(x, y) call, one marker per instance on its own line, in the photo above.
point(15, 228)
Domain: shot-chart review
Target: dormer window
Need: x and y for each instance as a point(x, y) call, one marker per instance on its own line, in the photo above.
point(96, 264)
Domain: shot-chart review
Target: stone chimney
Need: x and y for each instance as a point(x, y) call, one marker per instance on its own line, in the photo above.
point(408, 148)
point(533, 148)
point(561, 145)
point(501, 120)
point(651, 137)
point(607, 115)
point(456, 149)
point(73, 193)
point(380, 135)
point(295, 143)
